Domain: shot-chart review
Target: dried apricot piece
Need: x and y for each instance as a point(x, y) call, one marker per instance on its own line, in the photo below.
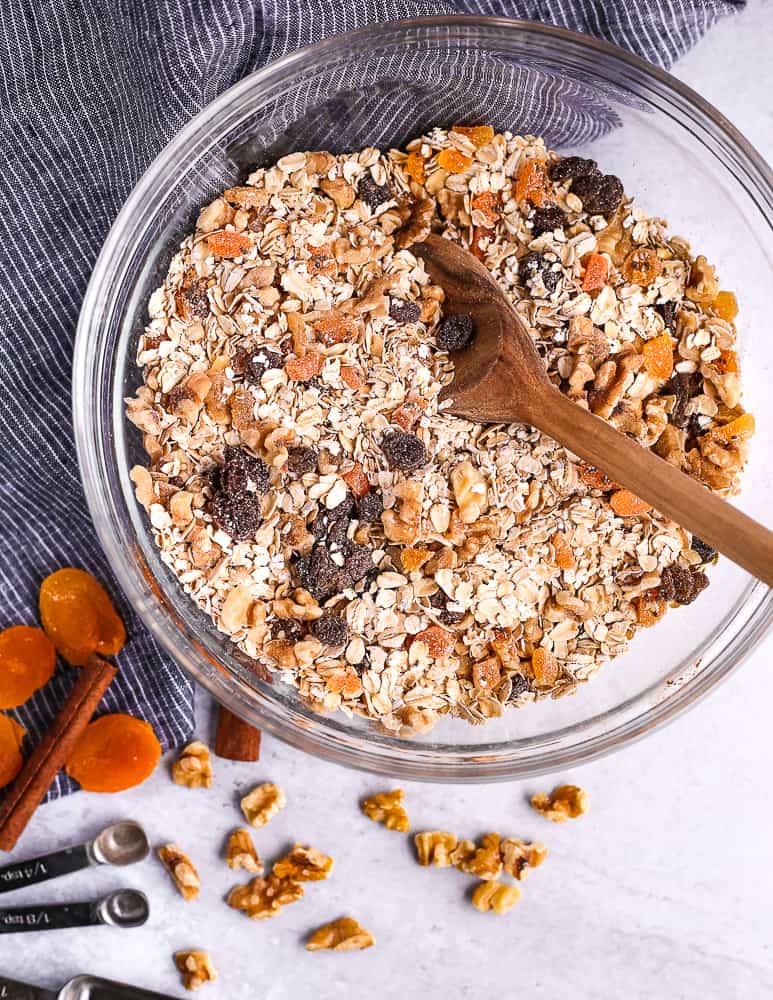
point(563, 551)
point(486, 674)
point(453, 161)
point(642, 266)
point(627, 504)
point(726, 362)
point(649, 608)
point(596, 272)
point(531, 184)
point(302, 369)
point(726, 306)
point(478, 135)
point(596, 479)
point(740, 429)
point(480, 233)
point(353, 377)
point(27, 660)
point(114, 752)
point(415, 167)
point(545, 667)
point(489, 203)
point(225, 244)
point(11, 760)
point(439, 643)
point(79, 617)
point(357, 481)
point(407, 414)
point(321, 261)
point(659, 356)
point(334, 328)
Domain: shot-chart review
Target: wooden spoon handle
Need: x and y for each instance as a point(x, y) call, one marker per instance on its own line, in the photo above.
point(670, 491)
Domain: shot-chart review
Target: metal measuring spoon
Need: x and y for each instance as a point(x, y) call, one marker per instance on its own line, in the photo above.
point(80, 988)
point(125, 908)
point(121, 844)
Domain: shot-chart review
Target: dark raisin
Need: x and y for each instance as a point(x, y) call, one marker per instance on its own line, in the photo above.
point(287, 628)
point(668, 311)
point(455, 332)
point(257, 363)
point(330, 521)
point(439, 601)
point(301, 459)
point(404, 312)
point(571, 167)
point(547, 218)
point(586, 186)
point(238, 515)
point(369, 508)
point(243, 473)
point(318, 574)
point(538, 265)
point(605, 198)
point(357, 564)
point(678, 584)
point(403, 451)
point(197, 298)
point(699, 583)
point(371, 193)
point(703, 549)
point(683, 386)
point(520, 685)
point(331, 630)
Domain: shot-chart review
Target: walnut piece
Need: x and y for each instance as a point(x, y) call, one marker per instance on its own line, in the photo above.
point(564, 802)
point(264, 898)
point(434, 847)
point(344, 934)
point(240, 852)
point(403, 523)
point(182, 871)
point(303, 864)
point(387, 808)
point(262, 803)
point(193, 768)
point(485, 862)
point(196, 968)
point(495, 896)
point(518, 856)
point(469, 488)
point(301, 606)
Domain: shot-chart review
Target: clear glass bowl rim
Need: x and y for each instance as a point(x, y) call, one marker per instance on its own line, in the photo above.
point(317, 734)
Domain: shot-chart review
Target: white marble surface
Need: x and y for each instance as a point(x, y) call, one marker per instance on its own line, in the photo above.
point(663, 891)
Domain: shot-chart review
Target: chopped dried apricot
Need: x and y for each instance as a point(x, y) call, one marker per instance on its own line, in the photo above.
point(302, 369)
point(407, 414)
point(439, 643)
point(486, 674)
point(226, 244)
point(334, 327)
point(480, 233)
point(726, 362)
point(414, 558)
point(740, 429)
point(726, 306)
point(658, 356)
point(596, 479)
point(545, 667)
point(627, 504)
point(453, 161)
point(114, 752)
point(478, 135)
point(27, 660)
point(649, 608)
point(596, 272)
point(415, 167)
point(353, 377)
point(357, 481)
point(531, 184)
point(642, 266)
point(321, 261)
point(489, 203)
point(11, 760)
point(563, 551)
point(79, 617)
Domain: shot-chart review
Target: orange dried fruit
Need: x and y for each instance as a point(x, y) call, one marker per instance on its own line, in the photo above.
point(478, 135)
point(726, 306)
point(415, 167)
point(321, 261)
point(225, 244)
point(563, 551)
point(486, 674)
point(531, 184)
point(596, 479)
point(27, 661)
point(627, 504)
point(489, 203)
point(545, 667)
point(114, 752)
point(726, 362)
point(453, 161)
point(642, 266)
point(11, 760)
point(302, 369)
point(439, 643)
point(334, 328)
point(407, 414)
point(480, 233)
point(658, 356)
point(353, 377)
point(79, 617)
point(414, 558)
point(740, 429)
point(357, 481)
point(649, 608)
point(596, 272)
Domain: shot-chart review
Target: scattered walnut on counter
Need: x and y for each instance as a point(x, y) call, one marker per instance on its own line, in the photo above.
point(434, 847)
point(182, 871)
point(240, 852)
point(193, 768)
point(485, 862)
point(264, 898)
point(344, 934)
point(387, 808)
point(564, 802)
point(518, 856)
point(495, 896)
point(303, 864)
point(196, 968)
point(262, 803)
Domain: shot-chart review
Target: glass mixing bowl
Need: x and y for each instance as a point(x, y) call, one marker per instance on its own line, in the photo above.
point(380, 86)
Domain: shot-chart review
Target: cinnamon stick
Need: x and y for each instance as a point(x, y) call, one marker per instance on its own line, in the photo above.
point(35, 778)
point(235, 738)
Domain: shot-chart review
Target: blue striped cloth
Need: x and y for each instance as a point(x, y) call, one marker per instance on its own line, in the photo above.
point(91, 90)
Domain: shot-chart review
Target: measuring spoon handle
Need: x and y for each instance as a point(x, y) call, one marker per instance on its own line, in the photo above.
point(54, 917)
point(22, 873)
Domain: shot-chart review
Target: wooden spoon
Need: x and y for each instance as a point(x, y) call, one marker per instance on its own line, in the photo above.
point(500, 378)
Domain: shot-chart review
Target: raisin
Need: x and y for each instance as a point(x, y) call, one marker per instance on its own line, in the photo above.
point(78, 616)
point(703, 549)
point(547, 218)
point(358, 563)
point(370, 507)
point(318, 574)
point(301, 459)
point(238, 515)
point(331, 630)
point(455, 332)
point(440, 602)
point(519, 682)
point(114, 753)
point(605, 198)
point(27, 661)
point(371, 193)
point(403, 451)
point(258, 362)
point(328, 522)
point(242, 473)
point(287, 628)
point(197, 298)
point(571, 167)
point(678, 584)
point(540, 265)
point(668, 311)
point(404, 312)
point(684, 385)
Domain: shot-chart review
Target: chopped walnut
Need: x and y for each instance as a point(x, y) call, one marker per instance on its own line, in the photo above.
point(703, 285)
point(182, 871)
point(240, 852)
point(470, 491)
point(301, 606)
point(344, 934)
point(264, 898)
point(495, 896)
point(195, 967)
point(387, 808)
point(486, 860)
point(418, 225)
point(187, 399)
point(518, 856)
point(434, 847)
point(262, 803)
point(403, 524)
point(564, 802)
point(303, 864)
point(193, 768)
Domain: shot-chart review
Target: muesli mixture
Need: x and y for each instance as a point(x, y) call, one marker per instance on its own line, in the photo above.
point(314, 499)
